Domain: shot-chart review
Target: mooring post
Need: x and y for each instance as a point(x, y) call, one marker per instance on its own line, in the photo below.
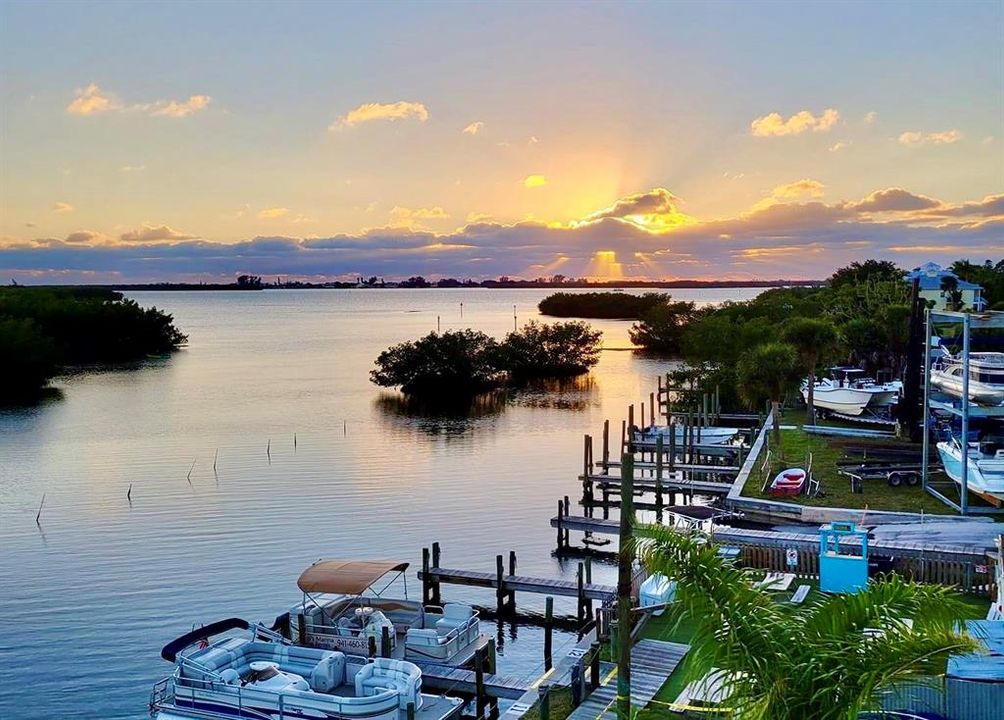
point(642, 416)
point(411, 711)
point(566, 514)
point(625, 562)
point(548, 630)
point(371, 646)
point(491, 656)
point(385, 641)
point(585, 456)
point(479, 681)
point(672, 445)
point(580, 592)
point(545, 701)
point(511, 599)
point(606, 446)
point(630, 416)
point(426, 579)
point(658, 468)
point(437, 598)
point(577, 683)
point(594, 665)
point(561, 518)
point(500, 585)
point(651, 409)
point(624, 441)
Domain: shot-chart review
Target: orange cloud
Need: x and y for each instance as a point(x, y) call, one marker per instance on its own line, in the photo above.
point(62, 207)
point(775, 125)
point(273, 213)
point(474, 128)
point(534, 181)
point(370, 112)
point(92, 100)
point(915, 138)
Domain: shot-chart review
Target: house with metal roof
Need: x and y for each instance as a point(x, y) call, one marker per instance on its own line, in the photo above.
point(932, 279)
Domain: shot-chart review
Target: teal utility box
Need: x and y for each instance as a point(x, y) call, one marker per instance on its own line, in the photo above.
point(842, 569)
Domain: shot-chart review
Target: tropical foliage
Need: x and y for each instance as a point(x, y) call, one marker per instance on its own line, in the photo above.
point(813, 339)
point(463, 363)
point(827, 659)
point(601, 305)
point(769, 372)
point(661, 327)
point(46, 328)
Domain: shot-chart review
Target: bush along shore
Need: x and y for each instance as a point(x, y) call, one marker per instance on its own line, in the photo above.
point(464, 363)
point(45, 330)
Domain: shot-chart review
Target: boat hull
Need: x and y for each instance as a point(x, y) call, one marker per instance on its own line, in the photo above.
point(708, 435)
point(986, 475)
point(789, 482)
point(847, 401)
point(979, 392)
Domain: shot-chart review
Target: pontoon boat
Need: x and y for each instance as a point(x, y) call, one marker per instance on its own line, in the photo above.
point(264, 677)
point(342, 611)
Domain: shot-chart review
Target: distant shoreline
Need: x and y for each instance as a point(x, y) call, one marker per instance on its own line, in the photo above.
point(486, 284)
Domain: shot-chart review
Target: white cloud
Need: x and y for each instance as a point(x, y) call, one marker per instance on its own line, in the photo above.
point(272, 213)
point(915, 138)
point(177, 109)
point(474, 128)
point(842, 145)
point(775, 125)
point(92, 100)
point(62, 207)
point(413, 217)
point(154, 233)
point(370, 112)
point(870, 117)
point(808, 187)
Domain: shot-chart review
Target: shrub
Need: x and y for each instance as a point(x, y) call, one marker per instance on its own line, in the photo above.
point(550, 351)
point(661, 327)
point(454, 363)
point(27, 360)
point(601, 305)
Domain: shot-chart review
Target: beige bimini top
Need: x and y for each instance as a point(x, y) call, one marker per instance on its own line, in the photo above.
point(345, 577)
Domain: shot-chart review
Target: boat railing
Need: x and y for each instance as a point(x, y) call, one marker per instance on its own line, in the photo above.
point(260, 631)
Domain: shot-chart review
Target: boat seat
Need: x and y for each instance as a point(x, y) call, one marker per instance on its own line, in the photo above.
point(422, 636)
point(344, 627)
point(384, 674)
point(454, 615)
point(230, 677)
point(329, 673)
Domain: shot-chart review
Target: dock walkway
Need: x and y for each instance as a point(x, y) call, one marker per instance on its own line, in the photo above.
point(519, 583)
point(667, 484)
point(447, 678)
point(652, 662)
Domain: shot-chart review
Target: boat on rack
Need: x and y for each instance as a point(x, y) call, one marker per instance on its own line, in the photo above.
point(342, 610)
point(986, 377)
point(259, 674)
point(848, 392)
point(984, 461)
point(709, 435)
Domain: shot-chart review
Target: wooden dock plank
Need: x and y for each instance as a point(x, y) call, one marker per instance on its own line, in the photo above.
point(520, 583)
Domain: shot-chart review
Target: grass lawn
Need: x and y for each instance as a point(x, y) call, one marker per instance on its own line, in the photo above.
point(826, 452)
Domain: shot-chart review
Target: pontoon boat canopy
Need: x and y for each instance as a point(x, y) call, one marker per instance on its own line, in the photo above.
point(347, 577)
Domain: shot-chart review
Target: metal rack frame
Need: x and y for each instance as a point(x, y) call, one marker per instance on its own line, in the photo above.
point(965, 410)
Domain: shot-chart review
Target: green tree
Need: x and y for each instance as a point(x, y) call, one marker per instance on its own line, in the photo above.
point(661, 327)
point(812, 339)
point(558, 350)
point(868, 271)
point(769, 372)
point(793, 662)
point(950, 291)
point(449, 365)
point(27, 360)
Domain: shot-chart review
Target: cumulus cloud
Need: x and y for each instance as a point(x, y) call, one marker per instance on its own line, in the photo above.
point(413, 217)
point(474, 128)
point(62, 207)
point(534, 181)
point(370, 112)
point(83, 236)
point(476, 217)
point(92, 100)
point(775, 125)
point(914, 138)
point(809, 187)
point(153, 233)
point(842, 145)
point(273, 213)
point(893, 200)
point(870, 117)
point(182, 109)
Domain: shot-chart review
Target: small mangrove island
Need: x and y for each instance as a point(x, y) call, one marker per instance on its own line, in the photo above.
point(465, 363)
point(44, 330)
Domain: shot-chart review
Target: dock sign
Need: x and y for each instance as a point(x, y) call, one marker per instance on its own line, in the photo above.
point(791, 557)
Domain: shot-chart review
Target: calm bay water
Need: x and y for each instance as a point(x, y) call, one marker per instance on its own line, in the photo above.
point(88, 599)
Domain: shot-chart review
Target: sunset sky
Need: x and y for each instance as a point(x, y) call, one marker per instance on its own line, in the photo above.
point(183, 141)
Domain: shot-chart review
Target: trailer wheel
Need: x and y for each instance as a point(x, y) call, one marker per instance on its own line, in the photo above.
point(912, 479)
point(895, 479)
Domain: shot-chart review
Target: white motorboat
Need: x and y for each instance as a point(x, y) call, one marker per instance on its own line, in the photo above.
point(341, 610)
point(985, 464)
point(710, 435)
point(848, 392)
point(986, 377)
point(261, 675)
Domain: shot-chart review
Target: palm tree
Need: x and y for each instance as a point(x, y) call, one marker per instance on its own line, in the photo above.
point(812, 338)
point(950, 291)
point(789, 662)
point(769, 372)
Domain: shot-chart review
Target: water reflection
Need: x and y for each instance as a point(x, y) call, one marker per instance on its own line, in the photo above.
point(578, 393)
point(440, 417)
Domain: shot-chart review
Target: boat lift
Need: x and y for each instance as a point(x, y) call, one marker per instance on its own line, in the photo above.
point(961, 407)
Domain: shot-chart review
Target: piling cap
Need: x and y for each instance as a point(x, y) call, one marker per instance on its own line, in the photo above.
point(348, 577)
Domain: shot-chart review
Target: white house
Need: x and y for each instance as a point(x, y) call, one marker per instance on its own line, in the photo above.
point(931, 276)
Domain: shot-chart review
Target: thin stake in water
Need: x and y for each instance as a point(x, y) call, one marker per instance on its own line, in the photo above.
point(189, 477)
point(38, 515)
point(215, 458)
point(294, 442)
point(129, 494)
point(268, 451)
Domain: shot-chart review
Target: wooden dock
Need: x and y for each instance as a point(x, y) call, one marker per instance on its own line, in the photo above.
point(446, 678)
point(652, 662)
point(667, 484)
point(519, 583)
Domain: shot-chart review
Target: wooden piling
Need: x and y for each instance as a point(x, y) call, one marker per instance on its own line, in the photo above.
point(625, 561)
point(586, 440)
point(630, 416)
point(479, 682)
point(411, 711)
point(371, 646)
point(548, 630)
point(500, 585)
point(577, 683)
point(651, 405)
point(658, 469)
point(594, 664)
point(385, 641)
point(545, 701)
point(561, 516)
point(426, 578)
point(606, 446)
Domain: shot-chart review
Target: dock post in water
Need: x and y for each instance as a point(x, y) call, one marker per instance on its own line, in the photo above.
point(545, 701)
point(548, 630)
point(499, 589)
point(479, 681)
point(594, 665)
point(658, 471)
point(385, 642)
point(411, 711)
point(561, 517)
point(511, 599)
point(651, 410)
point(436, 595)
point(606, 446)
point(566, 513)
point(625, 561)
